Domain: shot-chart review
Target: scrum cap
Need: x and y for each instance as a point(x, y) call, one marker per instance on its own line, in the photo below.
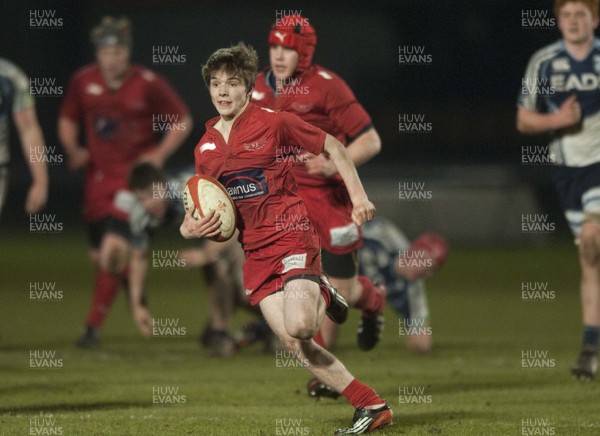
point(295, 32)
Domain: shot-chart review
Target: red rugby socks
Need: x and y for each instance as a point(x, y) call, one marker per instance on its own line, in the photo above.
point(361, 396)
point(105, 291)
point(371, 300)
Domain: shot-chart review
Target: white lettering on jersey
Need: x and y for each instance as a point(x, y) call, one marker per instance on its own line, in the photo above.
point(94, 89)
point(293, 262)
point(207, 146)
point(257, 95)
point(561, 64)
point(584, 82)
point(325, 75)
point(268, 110)
point(597, 64)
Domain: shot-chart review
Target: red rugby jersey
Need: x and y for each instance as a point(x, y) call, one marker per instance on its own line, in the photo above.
point(120, 125)
point(321, 98)
point(255, 166)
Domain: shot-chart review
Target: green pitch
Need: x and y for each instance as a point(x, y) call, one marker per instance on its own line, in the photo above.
point(499, 366)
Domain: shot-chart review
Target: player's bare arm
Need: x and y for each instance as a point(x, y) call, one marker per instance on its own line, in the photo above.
point(169, 143)
point(32, 142)
point(364, 147)
point(361, 150)
point(569, 114)
point(363, 209)
point(138, 269)
point(207, 227)
point(68, 134)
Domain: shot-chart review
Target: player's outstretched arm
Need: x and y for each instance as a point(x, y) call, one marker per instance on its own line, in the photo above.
point(32, 142)
point(363, 210)
point(138, 270)
point(206, 227)
point(569, 114)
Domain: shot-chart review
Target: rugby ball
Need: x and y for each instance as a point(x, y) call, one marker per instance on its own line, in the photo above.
point(202, 194)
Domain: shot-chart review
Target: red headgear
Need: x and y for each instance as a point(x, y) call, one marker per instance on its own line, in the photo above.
point(294, 31)
point(434, 244)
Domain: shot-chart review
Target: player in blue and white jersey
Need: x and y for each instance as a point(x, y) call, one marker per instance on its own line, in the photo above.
point(17, 103)
point(560, 95)
point(389, 258)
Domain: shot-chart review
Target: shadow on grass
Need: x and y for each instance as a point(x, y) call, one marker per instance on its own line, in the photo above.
point(50, 408)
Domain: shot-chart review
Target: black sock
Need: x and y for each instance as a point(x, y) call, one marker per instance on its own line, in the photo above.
point(591, 335)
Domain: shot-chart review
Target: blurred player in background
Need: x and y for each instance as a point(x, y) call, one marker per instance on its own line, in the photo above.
point(282, 270)
point(388, 257)
point(320, 97)
point(153, 201)
point(117, 104)
point(17, 103)
point(560, 95)
point(221, 263)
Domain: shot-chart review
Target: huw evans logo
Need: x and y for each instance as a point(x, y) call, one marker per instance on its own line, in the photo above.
point(536, 223)
point(414, 55)
point(536, 291)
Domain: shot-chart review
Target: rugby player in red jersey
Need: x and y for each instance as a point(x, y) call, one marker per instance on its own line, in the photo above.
point(117, 104)
point(282, 272)
point(294, 84)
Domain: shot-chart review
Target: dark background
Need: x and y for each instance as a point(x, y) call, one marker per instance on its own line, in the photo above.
point(479, 52)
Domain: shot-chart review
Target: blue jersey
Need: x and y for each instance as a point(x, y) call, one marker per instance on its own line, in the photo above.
point(553, 75)
point(14, 97)
point(377, 260)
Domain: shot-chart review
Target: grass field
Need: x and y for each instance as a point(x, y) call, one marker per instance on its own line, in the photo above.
point(474, 383)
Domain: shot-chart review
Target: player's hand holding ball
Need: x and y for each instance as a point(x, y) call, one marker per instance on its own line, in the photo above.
point(210, 211)
point(207, 227)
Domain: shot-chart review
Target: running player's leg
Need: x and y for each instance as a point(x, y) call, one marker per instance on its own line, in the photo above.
point(360, 292)
point(222, 291)
point(589, 260)
point(114, 253)
point(418, 340)
point(110, 248)
point(340, 240)
point(295, 317)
